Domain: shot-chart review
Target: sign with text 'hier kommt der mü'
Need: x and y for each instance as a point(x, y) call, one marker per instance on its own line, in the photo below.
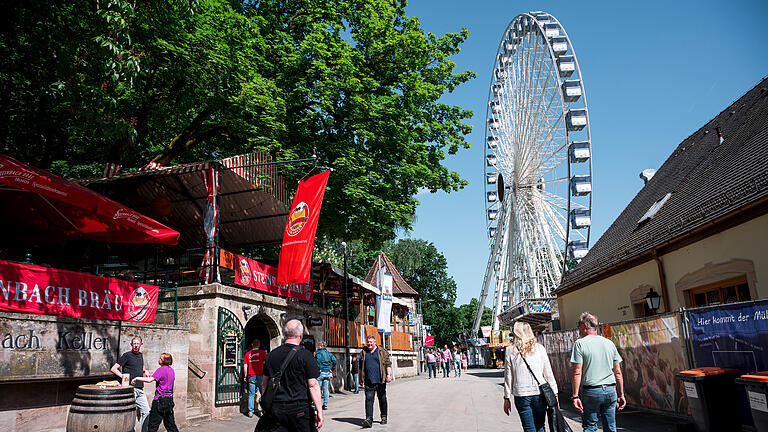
point(732, 336)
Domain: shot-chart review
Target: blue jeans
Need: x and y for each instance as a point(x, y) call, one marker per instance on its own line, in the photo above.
point(456, 368)
point(432, 367)
point(446, 369)
point(357, 384)
point(324, 379)
point(599, 404)
point(254, 383)
point(532, 411)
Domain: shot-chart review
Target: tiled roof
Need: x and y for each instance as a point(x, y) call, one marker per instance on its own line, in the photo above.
point(708, 179)
point(399, 285)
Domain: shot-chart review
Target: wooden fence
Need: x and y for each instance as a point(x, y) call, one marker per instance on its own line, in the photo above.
point(400, 341)
point(334, 335)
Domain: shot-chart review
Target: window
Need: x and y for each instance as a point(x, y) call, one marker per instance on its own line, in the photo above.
point(654, 208)
point(728, 291)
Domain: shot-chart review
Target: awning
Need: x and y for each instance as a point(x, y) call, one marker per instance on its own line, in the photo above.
point(41, 206)
point(536, 312)
point(252, 201)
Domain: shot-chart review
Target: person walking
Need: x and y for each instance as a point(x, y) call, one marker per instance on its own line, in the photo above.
point(254, 368)
point(162, 404)
point(375, 373)
point(326, 362)
point(432, 363)
point(526, 365)
point(445, 356)
point(597, 372)
point(354, 370)
point(291, 409)
point(464, 361)
point(456, 361)
point(132, 363)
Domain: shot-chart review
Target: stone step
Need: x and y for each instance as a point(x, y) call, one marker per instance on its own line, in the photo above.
point(197, 418)
point(193, 410)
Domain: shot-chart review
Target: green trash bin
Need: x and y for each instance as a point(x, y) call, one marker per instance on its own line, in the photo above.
point(756, 385)
point(713, 398)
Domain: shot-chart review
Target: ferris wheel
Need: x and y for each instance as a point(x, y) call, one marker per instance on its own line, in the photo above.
point(538, 164)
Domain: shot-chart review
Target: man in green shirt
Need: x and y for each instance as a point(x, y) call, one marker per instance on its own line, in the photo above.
point(597, 371)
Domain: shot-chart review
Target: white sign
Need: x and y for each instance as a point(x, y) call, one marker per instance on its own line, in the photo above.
point(757, 401)
point(384, 303)
point(690, 390)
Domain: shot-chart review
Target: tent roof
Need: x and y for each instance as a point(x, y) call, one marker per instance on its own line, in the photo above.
point(253, 199)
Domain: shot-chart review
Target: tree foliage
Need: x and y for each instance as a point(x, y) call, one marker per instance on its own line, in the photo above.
point(85, 83)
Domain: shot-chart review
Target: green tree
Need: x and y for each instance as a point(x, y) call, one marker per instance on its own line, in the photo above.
point(467, 313)
point(125, 82)
point(426, 270)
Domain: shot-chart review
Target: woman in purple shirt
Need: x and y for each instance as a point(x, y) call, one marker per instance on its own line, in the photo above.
point(162, 405)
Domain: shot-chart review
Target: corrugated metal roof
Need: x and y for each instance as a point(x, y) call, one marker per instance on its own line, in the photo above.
point(253, 200)
point(707, 179)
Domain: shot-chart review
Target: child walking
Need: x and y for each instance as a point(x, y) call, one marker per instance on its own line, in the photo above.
point(162, 405)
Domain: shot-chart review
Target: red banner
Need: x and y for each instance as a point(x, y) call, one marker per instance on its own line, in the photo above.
point(299, 236)
point(46, 291)
point(429, 340)
point(261, 277)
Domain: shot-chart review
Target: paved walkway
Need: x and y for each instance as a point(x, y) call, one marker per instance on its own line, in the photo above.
point(472, 402)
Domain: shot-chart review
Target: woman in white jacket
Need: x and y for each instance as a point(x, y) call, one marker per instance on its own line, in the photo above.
point(520, 383)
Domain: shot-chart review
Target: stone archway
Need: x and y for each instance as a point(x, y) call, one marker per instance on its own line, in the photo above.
point(261, 326)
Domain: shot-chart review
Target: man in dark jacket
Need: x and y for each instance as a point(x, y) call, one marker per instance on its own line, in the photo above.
point(375, 373)
point(291, 410)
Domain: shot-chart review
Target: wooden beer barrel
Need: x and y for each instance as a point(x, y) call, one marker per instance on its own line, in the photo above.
point(96, 409)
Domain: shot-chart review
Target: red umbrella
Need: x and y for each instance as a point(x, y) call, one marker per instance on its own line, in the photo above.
point(38, 204)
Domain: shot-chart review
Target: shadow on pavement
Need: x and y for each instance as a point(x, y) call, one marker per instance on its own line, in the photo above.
point(351, 420)
point(633, 420)
point(494, 374)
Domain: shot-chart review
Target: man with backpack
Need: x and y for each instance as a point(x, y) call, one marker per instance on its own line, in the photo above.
point(290, 386)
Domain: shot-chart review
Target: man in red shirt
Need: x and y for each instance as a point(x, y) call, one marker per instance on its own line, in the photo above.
point(254, 367)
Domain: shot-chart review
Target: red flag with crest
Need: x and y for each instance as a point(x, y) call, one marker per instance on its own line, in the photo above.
point(295, 262)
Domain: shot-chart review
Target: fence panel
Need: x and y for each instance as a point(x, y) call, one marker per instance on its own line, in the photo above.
point(373, 331)
point(334, 331)
point(652, 350)
point(400, 341)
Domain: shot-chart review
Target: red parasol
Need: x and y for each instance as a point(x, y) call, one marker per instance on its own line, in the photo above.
point(38, 204)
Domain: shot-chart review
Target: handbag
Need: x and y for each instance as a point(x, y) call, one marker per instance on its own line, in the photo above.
point(545, 389)
point(273, 385)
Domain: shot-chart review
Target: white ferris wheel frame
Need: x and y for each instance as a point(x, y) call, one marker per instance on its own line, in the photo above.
point(528, 142)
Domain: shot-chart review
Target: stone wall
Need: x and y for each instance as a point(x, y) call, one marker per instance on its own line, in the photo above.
point(198, 309)
point(45, 359)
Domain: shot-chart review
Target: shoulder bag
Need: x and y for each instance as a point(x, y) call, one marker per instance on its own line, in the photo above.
point(545, 389)
point(273, 385)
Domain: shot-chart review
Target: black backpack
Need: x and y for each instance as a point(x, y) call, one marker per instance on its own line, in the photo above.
point(274, 384)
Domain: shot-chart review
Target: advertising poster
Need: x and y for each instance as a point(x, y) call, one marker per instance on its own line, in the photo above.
point(295, 262)
point(261, 277)
point(731, 336)
point(652, 354)
point(39, 290)
point(384, 303)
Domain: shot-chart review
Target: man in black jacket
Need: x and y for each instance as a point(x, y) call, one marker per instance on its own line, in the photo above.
point(291, 410)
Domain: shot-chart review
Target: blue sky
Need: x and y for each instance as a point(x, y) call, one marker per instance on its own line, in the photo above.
point(654, 72)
